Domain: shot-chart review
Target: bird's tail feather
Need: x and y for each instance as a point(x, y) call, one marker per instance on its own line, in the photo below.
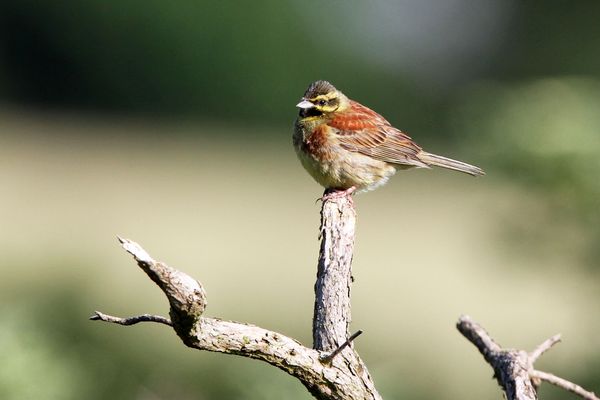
point(439, 161)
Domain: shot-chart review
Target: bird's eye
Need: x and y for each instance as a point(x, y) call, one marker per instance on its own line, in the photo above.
point(322, 102)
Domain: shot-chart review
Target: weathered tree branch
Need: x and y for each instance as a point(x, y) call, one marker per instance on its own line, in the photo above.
point(332, 370)
point(334, 274)
point(332, 290)
point(513, 369)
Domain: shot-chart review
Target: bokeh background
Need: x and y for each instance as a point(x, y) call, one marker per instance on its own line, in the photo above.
point(170, 123)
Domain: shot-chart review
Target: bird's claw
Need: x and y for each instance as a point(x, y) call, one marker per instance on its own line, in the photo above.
point(336, 194)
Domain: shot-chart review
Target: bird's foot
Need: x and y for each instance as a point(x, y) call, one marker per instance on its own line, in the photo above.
point(330, 194)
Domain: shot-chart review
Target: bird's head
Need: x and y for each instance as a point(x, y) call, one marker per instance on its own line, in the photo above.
point(321, 99)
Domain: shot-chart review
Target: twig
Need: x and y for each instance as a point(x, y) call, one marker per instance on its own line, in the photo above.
point(539, 376)
point(98, 316)
point(542, 348)
point(565, 384)
point(327, 358)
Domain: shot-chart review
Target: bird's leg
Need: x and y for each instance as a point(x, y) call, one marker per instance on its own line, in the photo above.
point(337, 193)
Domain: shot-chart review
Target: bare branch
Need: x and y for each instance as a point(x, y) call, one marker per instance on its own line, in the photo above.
point(542, 348)
point(511, 367)
point(332, 289)
point(98, 316)
point(514, 368)
point(325, 375)
point(565, 384)
point(334, 274)
point(186, 295)
point(477, 335)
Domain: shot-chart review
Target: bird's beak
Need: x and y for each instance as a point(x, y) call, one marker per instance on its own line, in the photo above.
point(304, 104)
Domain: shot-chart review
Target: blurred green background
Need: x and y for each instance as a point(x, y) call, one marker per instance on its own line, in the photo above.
point(170, 123)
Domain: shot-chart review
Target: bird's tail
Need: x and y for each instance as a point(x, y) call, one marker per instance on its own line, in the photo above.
point(439, 161)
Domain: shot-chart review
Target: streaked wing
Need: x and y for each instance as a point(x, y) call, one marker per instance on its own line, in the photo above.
point(364, 131)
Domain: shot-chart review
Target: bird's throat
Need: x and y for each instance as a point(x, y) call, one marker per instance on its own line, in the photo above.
point(312, 112)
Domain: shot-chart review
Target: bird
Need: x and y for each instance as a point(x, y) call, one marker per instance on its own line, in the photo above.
point(347, 147)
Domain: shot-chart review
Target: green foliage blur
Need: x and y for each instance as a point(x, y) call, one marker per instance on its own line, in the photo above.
point(511, 86)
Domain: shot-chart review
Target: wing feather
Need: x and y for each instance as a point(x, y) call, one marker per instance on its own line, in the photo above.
point(363, 131)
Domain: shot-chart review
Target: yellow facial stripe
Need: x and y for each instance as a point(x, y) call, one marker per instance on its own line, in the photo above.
point(326, 108)
point(326, 97)
point(312, 118)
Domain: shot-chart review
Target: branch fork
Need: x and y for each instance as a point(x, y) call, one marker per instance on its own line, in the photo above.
point(513, 369)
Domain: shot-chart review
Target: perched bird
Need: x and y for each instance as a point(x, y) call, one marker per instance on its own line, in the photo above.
point(346, 146)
